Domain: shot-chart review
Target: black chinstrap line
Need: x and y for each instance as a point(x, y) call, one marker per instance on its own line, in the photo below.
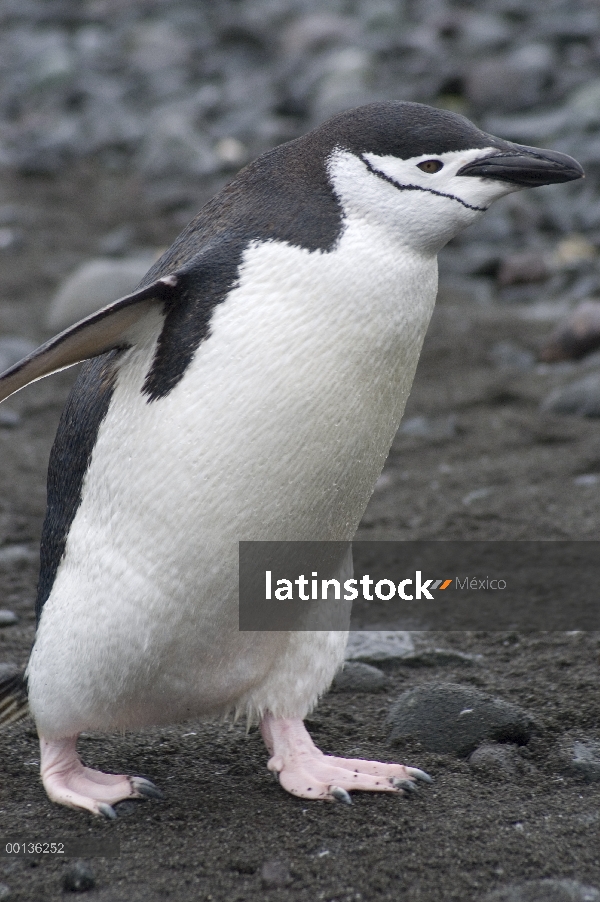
point(387, 178)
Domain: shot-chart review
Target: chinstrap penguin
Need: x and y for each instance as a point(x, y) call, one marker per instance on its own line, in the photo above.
point(249, 389)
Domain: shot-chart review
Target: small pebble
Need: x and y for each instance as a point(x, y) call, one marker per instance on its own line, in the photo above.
point(79, 878)
point(9, 418)
point(373, 646)
point(580, 398)
point(517, 269)
point(275, 874)
point(584, 760)
point(17, 555)
point(7, 618)
point(577, 335)
point(359, 677)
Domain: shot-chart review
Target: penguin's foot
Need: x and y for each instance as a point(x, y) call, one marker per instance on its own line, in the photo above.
point(68, 782)
point(305, 771)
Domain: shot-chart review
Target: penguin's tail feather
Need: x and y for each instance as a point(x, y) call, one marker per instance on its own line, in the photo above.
point(13, 695)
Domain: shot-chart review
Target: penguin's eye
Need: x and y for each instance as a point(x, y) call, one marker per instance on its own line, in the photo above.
point(430, 166)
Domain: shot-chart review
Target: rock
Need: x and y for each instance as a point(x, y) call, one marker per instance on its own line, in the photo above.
point(8, 618)
point(17, 556)
point(94, 285)
point(511, 81)
point(376, 646)
point(516, 269)
point(581, 398)
point(554, 890)
point(79, 878)
point(13, 349)
point(311, 33)
point(577, 335)
point(482, 32)
point(508, 356)
point(117, 241)
point(531, 128)
point(432, 428)
point(173, 146)
point(231, 152)
point(573, 250)
point(9, 418)
point(440, 657)
point(344, 82)
point(451, 718)
point(358, 677)
point(584, 760)
point(494, 762)
point(275, 874)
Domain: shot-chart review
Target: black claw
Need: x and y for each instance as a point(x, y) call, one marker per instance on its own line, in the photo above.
point(146, 788)
point(340, 795)
point(406, 785)
point(418, 774)
point(107, 811)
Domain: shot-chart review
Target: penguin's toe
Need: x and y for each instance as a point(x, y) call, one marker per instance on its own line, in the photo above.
point(68, 782)
point(303, 770)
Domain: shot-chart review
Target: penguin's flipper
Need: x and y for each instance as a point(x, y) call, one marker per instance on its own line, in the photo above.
point(96, 334)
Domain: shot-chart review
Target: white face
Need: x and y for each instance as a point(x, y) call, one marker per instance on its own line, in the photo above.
point(421, 200)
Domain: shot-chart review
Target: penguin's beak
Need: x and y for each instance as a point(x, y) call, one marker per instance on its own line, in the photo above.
point(526, 167)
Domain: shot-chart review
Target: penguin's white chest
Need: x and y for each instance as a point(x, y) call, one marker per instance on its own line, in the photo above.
point(278, 430)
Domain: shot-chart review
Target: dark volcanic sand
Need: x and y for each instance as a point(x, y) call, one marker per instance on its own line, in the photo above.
point(223, 815)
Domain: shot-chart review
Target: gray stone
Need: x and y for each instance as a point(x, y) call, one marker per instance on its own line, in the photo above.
point(79, 878)
point(8, 618)
point(17, 556)
point(581, 398)
point(275, 874)
point(511, 81)
point(429, 656)
point(344, 82)
point(9, 418)
point(527, 266)
point(174, 146)
point(448, 717)
point(552, 890)
point(375, 646)
point(508, 356)
point(117, 241)
point(94, 285)
point(529, 127)
point(482, 32)
point(577, 335)
point(358, 677)
point(584, 760)
point(432, 428)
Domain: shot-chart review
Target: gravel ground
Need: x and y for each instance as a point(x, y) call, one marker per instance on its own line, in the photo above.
point(118, 121)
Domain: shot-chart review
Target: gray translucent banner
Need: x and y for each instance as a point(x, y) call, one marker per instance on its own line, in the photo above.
point(419, 585)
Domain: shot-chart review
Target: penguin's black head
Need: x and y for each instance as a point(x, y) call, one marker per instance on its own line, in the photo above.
point(410, 131)
point(431, 172)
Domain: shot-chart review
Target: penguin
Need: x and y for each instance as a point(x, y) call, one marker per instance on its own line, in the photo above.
point(249, 389)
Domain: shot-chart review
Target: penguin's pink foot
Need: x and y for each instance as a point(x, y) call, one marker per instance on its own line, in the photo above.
point(68, 782)
point(305, 771)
